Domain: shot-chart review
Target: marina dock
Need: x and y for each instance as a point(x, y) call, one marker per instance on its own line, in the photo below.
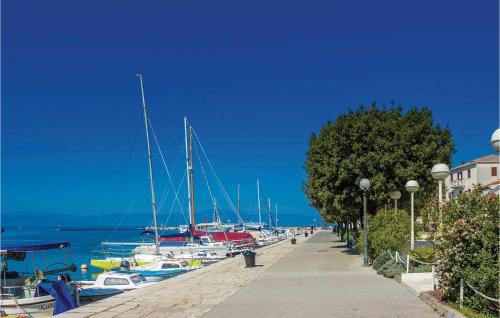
point(317, 277)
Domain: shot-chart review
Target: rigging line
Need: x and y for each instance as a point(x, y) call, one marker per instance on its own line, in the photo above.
point(164, 197)
point(173, 202)
point(266, 205)
point(131, 205)
point(165, 165)
point(124, 178)
point(204, 174)
point(225, 195)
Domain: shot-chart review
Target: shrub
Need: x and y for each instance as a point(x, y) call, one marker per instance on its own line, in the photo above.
point(423, 254)
point(386, 265)
point(430, 216)
point(467, 247)
point(393, 270)
point(390, 269)
point(420, 268)
point(381, 260)
point(387, 231)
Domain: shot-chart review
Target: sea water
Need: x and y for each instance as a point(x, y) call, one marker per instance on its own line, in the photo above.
point(82, 245)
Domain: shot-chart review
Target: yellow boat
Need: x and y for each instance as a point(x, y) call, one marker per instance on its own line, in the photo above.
point(108, 263)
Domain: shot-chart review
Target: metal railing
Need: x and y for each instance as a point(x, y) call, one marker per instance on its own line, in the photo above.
point(435, 282)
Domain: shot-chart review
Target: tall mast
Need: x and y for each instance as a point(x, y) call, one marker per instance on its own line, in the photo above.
point(238, 199)
point(191, 173)
point(214, 215)
point(151, 179)
point(276, 223)
point(258, 204)
point(269, 209)
point(188, 172)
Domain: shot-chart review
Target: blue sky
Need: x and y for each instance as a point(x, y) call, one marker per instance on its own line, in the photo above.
point(254, 79)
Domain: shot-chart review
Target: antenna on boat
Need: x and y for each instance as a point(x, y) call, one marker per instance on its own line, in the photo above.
point(151, 179)
point(258, 204)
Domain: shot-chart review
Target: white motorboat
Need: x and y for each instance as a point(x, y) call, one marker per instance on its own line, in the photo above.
point(117, 280)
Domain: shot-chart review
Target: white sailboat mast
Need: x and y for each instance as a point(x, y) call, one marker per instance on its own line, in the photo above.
point(238, 199)
point(270, 212)
point(276, 223)
point(188, 170)
point(258, 203)
point(151, 179)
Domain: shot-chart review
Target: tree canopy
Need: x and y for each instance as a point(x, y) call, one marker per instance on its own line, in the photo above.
point(387, 146)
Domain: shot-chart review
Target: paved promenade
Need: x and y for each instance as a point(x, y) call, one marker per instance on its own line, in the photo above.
point(321, 278)
point(187, 295)
point(315, 278)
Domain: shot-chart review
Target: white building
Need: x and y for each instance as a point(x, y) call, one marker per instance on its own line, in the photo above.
point(482, 171)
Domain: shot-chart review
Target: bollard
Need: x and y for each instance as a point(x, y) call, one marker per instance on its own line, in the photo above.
point(407, 263)
point(461, 293)
point(433, 278)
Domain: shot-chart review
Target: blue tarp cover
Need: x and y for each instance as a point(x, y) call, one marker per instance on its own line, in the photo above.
point(58, 290)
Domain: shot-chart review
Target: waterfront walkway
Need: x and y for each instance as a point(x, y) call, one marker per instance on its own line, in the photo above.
point(321, 278)
point(315, 278)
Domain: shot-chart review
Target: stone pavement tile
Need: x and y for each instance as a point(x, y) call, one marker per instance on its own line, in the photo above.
point(124, 308)
point(90, 309)
point(74, 315)
point(106, 314)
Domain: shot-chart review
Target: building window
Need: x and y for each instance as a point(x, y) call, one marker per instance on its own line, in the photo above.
point(493, 171)
point(468, 173)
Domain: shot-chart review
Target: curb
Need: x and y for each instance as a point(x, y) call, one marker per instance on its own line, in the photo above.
point(443, 310)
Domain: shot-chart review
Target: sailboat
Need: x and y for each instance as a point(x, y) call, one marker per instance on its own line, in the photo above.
point(217, 231)
point(144, 253)
point(191, 242)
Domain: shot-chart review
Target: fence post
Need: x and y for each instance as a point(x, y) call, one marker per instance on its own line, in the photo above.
point(433, 278)
point(461, 292)
point(397, 259)
point(407, 263)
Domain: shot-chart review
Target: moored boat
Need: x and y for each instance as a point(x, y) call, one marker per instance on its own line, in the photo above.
point(40, 292)
point(116, 280)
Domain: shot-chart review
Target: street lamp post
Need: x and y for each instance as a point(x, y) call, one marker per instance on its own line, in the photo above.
point(364, 185)
point(396, 195)
point(412, 187)
point(495, 140)
point(440, 172)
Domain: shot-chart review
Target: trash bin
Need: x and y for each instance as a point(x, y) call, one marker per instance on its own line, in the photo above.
point(249, 258)
point(293, 241)
point(306, 234)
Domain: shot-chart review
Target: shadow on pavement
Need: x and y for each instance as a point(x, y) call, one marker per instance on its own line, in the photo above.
point(346, 249)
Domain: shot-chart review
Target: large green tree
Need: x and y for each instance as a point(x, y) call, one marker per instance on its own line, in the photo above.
point(386, 145)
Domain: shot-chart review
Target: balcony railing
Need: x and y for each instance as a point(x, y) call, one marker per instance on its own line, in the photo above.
point(458, 183)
